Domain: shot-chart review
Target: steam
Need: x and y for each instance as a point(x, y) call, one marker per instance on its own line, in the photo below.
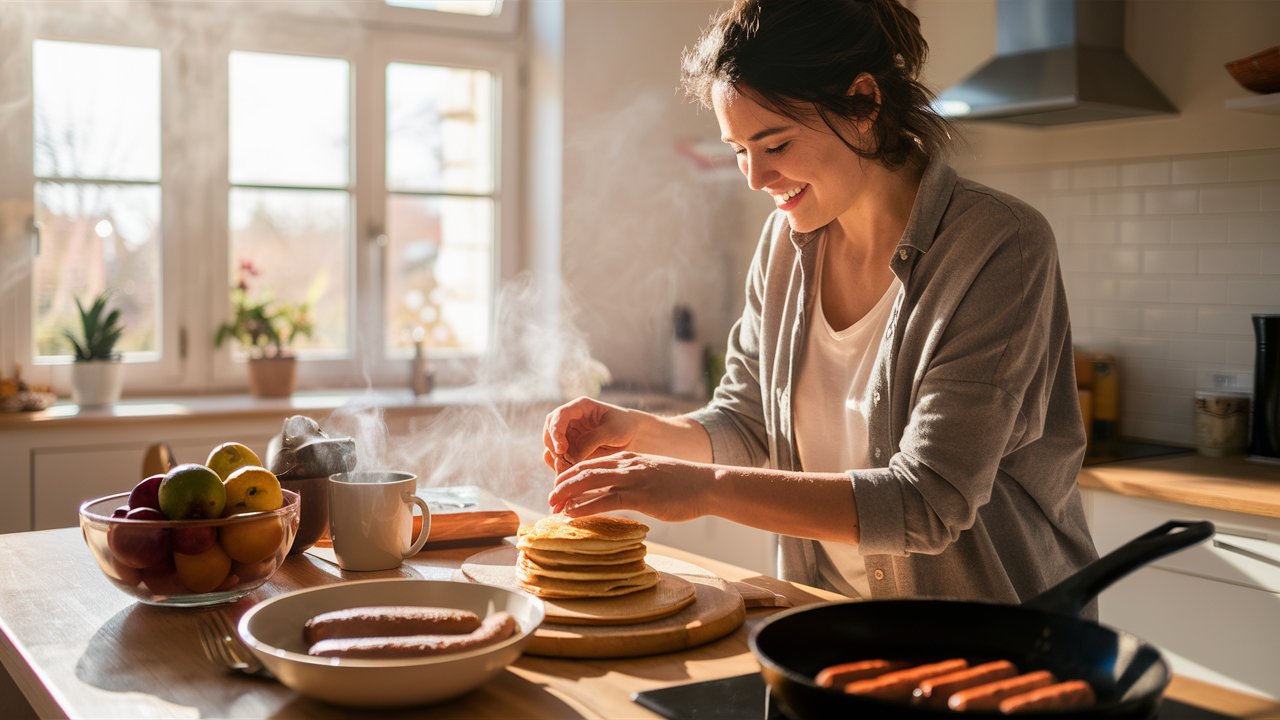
point(490, 431)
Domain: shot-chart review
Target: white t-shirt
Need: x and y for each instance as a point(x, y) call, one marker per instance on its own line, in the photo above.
point(830, 406)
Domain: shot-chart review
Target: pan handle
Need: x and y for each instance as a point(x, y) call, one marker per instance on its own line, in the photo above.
point(1071, 595)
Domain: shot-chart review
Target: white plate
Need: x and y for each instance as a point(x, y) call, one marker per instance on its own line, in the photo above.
point(273, 630)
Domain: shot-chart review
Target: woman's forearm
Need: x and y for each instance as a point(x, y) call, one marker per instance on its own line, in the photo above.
point(677, 437)
point(816, 506)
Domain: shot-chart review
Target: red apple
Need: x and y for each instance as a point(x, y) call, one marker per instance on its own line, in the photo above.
point(146, 493)
point(194, 540)
point(120, 511)
point(137, 545)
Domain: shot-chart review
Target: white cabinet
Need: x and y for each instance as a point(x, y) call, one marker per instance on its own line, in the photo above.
point(721, 540)
point(1213, 609)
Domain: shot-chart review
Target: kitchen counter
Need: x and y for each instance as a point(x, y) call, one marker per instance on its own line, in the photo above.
point(76, 646)
point(1229, 483)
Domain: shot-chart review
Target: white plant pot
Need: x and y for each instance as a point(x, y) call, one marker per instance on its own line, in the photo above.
point(97, 383)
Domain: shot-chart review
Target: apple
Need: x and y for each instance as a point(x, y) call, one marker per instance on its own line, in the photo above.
point(138, 545)
point(191, 491)
point(146, 493)
point(120, 511)
point(229, 457)
point(194, 540)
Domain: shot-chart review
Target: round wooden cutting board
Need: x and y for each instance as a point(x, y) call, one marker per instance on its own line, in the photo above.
point(597, 628)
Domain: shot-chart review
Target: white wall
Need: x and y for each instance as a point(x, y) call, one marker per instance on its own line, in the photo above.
point(1168, 228)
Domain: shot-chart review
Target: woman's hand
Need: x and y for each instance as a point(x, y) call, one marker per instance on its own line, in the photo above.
point(584, 429)
point(661, 487)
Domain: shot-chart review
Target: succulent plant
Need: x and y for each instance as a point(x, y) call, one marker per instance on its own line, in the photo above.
point(99, 334)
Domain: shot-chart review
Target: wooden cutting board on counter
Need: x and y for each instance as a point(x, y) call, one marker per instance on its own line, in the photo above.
point(717, 610)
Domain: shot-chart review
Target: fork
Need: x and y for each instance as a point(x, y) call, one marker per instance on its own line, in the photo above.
point(223, 646)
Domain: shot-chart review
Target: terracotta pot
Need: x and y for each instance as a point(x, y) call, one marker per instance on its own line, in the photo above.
point(97, 383)
point(273, 377)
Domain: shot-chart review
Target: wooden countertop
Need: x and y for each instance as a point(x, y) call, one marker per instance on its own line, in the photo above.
point(76, 646)
point(1228, 483)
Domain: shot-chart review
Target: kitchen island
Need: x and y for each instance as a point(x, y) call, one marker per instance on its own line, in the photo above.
point(78, 647)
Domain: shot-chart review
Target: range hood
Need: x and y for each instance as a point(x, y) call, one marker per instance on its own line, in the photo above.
point(1057, 62)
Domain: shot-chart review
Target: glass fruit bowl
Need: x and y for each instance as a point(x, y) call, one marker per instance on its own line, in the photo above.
point(188, 562)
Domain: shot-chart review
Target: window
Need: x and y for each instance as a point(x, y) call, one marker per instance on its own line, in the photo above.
point(357, 168)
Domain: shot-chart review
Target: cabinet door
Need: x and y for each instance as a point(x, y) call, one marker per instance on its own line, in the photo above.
point(64, 478)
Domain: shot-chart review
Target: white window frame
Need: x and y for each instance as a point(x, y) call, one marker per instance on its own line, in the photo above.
point(195, 186)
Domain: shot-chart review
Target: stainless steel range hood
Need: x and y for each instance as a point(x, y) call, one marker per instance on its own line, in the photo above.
point(1057, 62)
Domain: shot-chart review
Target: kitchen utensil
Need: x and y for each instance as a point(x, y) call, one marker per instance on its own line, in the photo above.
point(137, 556)
point(370, 518)
point(303, 457)
point(223, 647)
point(272, 630)
point(1259, 72)
point(1127, 674)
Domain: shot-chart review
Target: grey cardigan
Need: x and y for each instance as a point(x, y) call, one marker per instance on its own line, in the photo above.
point(975, 429)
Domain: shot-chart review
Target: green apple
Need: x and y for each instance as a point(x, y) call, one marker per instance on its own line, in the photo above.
point(192, 491)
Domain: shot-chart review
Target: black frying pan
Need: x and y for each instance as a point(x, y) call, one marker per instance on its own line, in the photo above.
point(1044, 633)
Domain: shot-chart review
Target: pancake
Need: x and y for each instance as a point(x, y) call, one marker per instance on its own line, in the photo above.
point(547, 587)
point(592, 533)
point(587, 547)
point(560, 559)
point(584, 572)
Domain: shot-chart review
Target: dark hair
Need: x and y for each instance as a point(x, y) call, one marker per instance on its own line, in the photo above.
point(797, 54)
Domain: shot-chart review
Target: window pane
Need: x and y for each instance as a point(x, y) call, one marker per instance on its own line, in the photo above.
point(97, 111)
point(463, 7)
point(439, 272)
point(439, 129)
point(289, 120)
point(297, 242)
point(96, 238)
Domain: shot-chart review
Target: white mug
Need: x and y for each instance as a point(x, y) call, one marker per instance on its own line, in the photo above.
point(371, 519)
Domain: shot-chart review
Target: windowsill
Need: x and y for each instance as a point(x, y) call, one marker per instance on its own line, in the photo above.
point(391, 401)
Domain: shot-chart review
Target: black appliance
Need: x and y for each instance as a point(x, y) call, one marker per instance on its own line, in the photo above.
point(1264, 435)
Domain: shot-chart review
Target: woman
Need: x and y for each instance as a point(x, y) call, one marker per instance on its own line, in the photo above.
point(899, 402)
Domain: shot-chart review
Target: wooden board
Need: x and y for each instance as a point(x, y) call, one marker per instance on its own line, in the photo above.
point(671, 595)
point(717, 611)
point(460, 514)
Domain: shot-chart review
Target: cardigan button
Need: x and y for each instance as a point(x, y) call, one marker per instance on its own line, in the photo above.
point(902, 253)
point(879, 574)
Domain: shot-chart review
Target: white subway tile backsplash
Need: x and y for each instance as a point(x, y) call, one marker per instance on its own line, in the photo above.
point(1093, 232)
point(1263, 165)
point(1148, 231)
point(1145, 172)
point(1228, 260)
point(1197, 350)
point(1171, 202)
point(1207, 229)
point(1269, 196)
point(1254, 228)
point(1118, 202)
point(1102, 175)
point(1222, 320)
point(1071, 204)
point(1168, 318)
point(1140, 346)
point(1269, 263)
point(1142, 290)
point(1173, 261)
point(1073, 259)
point(1263, 292)
point(1198, 290)
point(1116, 261)
point(1200, 169)
point(1059, 178)
point(1229, 198)
point(1242, 352)
point(1116, 317)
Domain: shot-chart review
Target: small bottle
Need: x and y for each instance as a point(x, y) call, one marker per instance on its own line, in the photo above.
point(686, 358)
point(419, 376)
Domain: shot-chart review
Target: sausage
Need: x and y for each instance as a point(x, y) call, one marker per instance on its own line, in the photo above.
point(841, 675)
point(935, 691)
point(389, 621)
point(899, 684)
point(989, 696)
point(1068, 695)
point(496, 627)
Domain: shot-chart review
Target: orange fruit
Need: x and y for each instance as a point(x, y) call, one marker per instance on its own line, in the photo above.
point(251, 489)
point(252, 542)
point(204, 572)
point(229, 457)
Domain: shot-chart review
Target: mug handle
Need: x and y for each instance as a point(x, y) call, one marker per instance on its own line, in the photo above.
point(426, 524)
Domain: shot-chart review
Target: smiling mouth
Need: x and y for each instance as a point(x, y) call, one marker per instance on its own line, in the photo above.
point(788, 199)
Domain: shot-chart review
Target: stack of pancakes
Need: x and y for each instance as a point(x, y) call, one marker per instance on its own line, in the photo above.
point(586, 557)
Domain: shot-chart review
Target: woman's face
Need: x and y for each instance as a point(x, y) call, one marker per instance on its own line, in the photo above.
point(805, 167)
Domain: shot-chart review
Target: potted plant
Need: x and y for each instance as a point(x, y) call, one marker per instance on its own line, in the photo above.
point(97, 375)
point(265, 328)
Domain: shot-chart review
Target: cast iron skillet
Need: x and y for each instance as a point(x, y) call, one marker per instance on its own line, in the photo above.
point(1044, 633)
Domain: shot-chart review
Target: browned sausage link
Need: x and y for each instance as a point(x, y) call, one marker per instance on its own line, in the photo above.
point(841, 675)
point(1069, 695)
point(989, 696)
point(898, 685)
point(496, 627)
point(389, 621)
point(935, 691)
